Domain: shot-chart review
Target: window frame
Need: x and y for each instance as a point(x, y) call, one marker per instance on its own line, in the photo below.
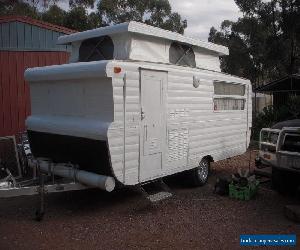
point(237, 97)
point(96, 48)
point(282, 148)
point(189, 50)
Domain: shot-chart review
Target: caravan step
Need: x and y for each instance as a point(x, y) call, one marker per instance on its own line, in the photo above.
point(159, 196)
point(156, 191)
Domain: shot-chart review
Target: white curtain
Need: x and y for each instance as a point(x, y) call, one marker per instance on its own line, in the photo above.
point(229, 104)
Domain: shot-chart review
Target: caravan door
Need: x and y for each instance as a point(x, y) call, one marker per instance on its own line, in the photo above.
point(153, 123)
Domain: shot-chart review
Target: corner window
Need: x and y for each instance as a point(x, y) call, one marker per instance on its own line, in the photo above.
point(96, 49)
point(291, 143)
point(181, 54)
point(229, 96)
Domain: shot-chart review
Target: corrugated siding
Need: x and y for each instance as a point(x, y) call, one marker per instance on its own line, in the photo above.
point(191, 122)
point(14, 91)
point(128, 172)
point(21, 36)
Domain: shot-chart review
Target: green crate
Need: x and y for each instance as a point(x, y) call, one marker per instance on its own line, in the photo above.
point(243, 193)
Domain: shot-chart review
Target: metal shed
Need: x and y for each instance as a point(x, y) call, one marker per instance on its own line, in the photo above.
point(282, 89)
point(24, 43)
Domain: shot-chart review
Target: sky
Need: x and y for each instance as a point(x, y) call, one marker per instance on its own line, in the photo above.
point(201, 15)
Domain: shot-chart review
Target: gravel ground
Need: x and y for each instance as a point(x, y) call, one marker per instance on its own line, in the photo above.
point(194, 218)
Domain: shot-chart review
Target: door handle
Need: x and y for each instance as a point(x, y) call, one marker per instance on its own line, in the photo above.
point(142, 114)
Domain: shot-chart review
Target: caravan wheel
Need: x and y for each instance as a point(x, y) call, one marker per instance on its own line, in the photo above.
point(199, 175)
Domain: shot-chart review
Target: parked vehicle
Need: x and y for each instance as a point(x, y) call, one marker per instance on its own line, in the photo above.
point(280, 149)
point(267, 147)
point(136, 103)
point(268, 142)
point(287, 168)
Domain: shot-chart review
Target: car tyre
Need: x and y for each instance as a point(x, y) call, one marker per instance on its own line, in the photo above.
point(278, 180)
point(199, 175)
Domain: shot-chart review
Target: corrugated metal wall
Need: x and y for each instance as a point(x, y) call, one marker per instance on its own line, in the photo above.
point(26, 37)
point(14, 91)
point(23, 46)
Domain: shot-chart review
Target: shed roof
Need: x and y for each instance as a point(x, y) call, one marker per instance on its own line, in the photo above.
point(144, 29)
point(290, 83)
point(29, 20)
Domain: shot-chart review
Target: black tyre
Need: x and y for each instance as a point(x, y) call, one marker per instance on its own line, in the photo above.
point(278, 180)
point(199, 175)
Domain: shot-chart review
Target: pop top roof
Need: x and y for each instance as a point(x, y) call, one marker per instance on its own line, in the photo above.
point(144, 29)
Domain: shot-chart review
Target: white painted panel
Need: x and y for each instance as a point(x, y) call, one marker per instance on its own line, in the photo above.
point(151, 49)
point(153, 123)
point(219, 134)
point(207, 60)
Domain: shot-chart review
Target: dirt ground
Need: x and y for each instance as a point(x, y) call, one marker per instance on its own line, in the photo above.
point(194, 218)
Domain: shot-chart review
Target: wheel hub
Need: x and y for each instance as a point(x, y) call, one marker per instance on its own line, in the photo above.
point(203, 171)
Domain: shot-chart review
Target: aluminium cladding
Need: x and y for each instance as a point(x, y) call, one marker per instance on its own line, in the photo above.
point(143, 29)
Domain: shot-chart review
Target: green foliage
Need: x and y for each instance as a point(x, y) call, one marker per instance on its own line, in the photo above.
point(94, 20)
point(264, 44)
point(122, 10)
point(174, 23)
point(18, 8)
point(84, 3)
point(77, 18)
point(267, 118)
point(54, 15)
point(270, 115)
point(154, 12)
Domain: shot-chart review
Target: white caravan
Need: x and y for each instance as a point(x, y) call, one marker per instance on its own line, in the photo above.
point(138, 103)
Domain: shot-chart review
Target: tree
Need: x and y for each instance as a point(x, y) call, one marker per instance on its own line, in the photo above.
point(18, 8)
point(174, 23)
point(54, 15)
point(83, 3)
point(78, 19)
point(239, 61)
point(154, 12)
point(264, 44)
point(95, 20)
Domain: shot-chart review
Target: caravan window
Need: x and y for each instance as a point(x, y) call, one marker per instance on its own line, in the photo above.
point(181, 54)
point(224, 88)
point(229, 96)
point(229, 104)
point(96, 49)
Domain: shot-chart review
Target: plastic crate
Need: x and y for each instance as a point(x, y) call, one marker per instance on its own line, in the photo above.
point(243, 193)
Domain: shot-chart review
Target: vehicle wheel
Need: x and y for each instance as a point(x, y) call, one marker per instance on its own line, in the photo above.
point(278, 179)
point(199, 175)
